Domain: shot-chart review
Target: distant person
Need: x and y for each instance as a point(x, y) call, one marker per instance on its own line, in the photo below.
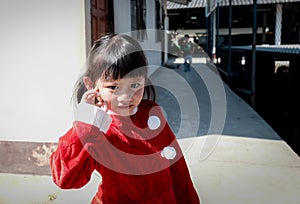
point(187, 50)
point(121, 132)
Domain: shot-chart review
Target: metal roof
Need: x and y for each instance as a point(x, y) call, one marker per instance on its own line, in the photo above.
point(202, 3)
point(191, 4)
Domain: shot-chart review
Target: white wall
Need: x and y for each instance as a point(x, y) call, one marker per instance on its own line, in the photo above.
point(122, 18)
point(42, 52)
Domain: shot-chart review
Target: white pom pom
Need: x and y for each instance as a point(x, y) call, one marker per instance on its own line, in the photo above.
point(153, 122)
point(168, 152)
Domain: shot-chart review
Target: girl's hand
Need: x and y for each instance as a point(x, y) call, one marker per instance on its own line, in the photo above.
point(93, 110)
point(90, 96)
point(93, 97)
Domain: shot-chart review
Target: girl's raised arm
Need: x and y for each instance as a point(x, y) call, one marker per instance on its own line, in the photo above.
point(71, 164)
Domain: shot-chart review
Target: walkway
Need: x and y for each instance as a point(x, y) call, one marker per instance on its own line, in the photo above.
point(236, 157)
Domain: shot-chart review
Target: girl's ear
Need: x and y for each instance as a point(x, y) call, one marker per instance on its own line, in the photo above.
point(88, 83)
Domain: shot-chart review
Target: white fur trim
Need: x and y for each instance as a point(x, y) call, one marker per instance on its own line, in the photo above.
point(93, 115)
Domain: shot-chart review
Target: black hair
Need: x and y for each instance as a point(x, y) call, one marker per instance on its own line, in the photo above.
point(115, 56)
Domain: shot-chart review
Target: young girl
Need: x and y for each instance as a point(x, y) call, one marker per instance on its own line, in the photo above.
point(120, 131)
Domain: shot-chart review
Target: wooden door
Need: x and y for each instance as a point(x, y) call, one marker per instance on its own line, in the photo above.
point(102, 18)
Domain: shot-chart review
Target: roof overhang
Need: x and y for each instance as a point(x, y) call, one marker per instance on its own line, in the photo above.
point(172, 4)
point(185, 2)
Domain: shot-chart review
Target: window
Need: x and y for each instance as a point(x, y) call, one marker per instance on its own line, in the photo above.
point(138, 19)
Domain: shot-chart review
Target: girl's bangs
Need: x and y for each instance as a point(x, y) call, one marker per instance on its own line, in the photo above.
point(130, 65)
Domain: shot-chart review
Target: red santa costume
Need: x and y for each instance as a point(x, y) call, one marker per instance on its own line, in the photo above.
point(138, 158)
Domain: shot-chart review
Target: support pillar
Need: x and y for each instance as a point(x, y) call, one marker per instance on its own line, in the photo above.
point(278, 24)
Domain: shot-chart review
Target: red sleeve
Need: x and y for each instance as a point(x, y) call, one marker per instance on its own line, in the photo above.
point(71, 164)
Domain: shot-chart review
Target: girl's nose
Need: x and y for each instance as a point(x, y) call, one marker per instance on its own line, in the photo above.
point(125, 97)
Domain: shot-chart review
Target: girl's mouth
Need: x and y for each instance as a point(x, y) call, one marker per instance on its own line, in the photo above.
point(123, 107)
point(127, 107)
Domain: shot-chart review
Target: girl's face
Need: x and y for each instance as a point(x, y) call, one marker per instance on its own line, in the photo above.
point(122, 95)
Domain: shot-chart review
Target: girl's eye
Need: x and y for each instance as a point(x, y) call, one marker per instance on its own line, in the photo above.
point(113, 87)
point(135, 85)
